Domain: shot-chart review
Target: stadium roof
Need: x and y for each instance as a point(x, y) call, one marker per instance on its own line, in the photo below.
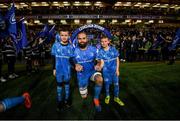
point(101, 11)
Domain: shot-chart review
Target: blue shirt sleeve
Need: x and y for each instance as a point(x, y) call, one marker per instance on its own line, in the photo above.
point(116, 53)
point(99, 54)
point(72, 51)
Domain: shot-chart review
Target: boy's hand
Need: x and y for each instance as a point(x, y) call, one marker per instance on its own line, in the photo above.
point(117, 73)
point(54, 72)
point(78, 67)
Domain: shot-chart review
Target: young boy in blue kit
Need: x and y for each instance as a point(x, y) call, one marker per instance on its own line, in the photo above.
point(110, 69)
point(62, 51)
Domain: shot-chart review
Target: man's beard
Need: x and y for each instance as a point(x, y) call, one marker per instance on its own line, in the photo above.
point(82, 45)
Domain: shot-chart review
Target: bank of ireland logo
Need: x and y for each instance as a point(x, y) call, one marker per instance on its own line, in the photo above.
point(19, 35)
point(12, 19)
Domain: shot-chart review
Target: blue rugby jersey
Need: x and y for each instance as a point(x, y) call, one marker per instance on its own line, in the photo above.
point(62, 54)
point(86, 58)
point(109, 56)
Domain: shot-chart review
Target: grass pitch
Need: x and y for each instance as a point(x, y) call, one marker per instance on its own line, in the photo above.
point(150, 90)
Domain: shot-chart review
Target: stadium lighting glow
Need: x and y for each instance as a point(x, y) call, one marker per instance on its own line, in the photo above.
point(76, 2)
point(127, 21)
point(34, 4)
point(136, 5)
point(89, 21)
point(118, 2)
point(76, 21)
point(98, 2)
point(157, 5)
point(164, 6)
point(36, 21)
point(114, 21)
point(25, 21)
point(102, 21)
point(55, 2)
point(4, 6)
point(160, 21)
point(146, 22)
point(138, 21)
point(63, 21)
point(65, 2)
point(151, 21)
point(146, 5)
point(50, 21)
point(18, 6)
point(123, 23)
point(175, 6)
point(24, 5)
point(40, 23)
point(127, 4)
point(44, 4)
point(87, 3)
point(178, 7)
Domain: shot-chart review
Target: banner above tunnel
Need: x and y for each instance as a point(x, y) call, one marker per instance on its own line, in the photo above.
point(88, 26)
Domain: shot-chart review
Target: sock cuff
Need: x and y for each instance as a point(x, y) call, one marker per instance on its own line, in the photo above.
point(96, 102)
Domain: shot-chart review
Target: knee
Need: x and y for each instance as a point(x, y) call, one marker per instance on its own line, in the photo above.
point(98, 80)
point(83, 92)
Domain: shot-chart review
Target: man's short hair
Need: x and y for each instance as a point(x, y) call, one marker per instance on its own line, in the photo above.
point(82, 32)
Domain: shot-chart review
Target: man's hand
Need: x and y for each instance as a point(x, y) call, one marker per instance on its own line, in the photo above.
point(78, 67)
point(54, 72)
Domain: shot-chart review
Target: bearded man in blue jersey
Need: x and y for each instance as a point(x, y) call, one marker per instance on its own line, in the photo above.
point(85, 57)
point(62, 51)
point(110, 70)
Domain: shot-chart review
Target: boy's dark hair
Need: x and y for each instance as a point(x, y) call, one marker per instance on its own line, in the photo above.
point(104, 37)
point(64, 30)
